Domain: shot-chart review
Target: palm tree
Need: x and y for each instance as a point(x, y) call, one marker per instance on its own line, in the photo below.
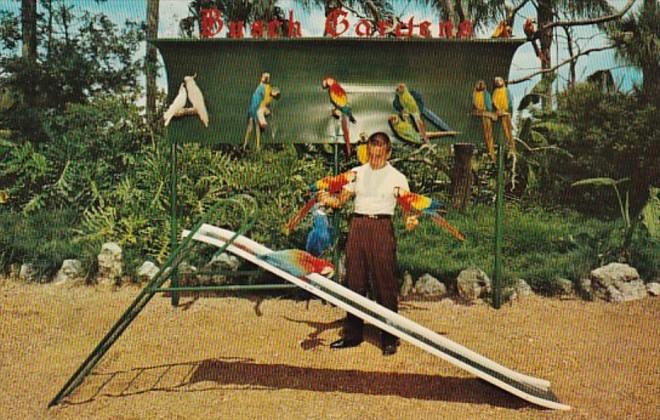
point(151, 59)
point(637, 39)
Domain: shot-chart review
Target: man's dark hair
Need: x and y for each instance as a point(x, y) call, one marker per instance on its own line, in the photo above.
point(379, 135)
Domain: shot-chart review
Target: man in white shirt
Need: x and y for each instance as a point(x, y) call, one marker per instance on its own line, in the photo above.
point(371, 245)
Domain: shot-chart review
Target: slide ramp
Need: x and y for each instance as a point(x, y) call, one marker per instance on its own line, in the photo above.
point(531, 389)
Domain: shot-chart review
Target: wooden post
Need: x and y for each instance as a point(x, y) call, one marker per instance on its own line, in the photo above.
point(461, 179)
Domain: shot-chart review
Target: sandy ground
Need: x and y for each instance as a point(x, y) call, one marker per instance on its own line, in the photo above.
point(248, 357)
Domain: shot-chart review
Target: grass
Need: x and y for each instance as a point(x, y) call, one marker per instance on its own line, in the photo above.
point(539, 246)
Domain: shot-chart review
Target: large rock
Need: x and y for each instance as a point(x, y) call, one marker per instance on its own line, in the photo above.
point(617, 282)
point(407, 285)
point(224, 261)
point(70, 272)
point(27, 273)
point(429, 286)
point(518, 289)
point(472, 284)
point(110, 264)
point(653, 288)
point(565, 286)
point(147, 271)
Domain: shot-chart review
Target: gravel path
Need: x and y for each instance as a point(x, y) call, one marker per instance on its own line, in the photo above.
point(247, 357)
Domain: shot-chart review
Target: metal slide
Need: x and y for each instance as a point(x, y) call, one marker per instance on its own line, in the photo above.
point(534, 390)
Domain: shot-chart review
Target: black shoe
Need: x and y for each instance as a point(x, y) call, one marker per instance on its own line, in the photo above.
point(389, 349)
point(344, 343)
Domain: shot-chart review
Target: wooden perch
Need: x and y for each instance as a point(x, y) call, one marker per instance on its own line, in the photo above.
point(436, 134)
point(185, 111)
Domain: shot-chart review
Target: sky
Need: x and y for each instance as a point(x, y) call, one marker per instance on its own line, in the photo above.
point(313, 20)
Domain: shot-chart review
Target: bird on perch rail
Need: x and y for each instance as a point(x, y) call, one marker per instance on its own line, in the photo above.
point(196, 98)
point(503, 104)
point(342, 109)
point(483, 107)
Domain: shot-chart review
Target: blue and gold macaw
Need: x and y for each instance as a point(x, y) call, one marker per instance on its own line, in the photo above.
point(320, 237)
point(483, 107)
point(503, 104)
point(259, 108)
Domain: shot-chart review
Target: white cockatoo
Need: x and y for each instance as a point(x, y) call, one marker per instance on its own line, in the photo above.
point(196, 99)
point(177, 104)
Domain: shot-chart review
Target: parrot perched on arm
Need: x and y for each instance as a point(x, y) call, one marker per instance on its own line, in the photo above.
point(331, 184)
point(299, 263)
point(503, 104)
point(339, 100)
point(419, 204)
point(320, 237)
point(483, 107)
point(426, 112)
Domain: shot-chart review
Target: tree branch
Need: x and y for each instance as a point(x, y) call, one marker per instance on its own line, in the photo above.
point(517, 8)
point(594, 21)
point(563, 63)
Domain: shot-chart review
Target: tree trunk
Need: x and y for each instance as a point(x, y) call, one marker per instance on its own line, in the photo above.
point(151, 59)
point(29, 28)
point(651, 69)
point(544, 17)
point(461, 179)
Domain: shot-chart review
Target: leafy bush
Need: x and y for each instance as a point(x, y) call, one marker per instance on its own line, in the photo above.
point(539, 246)
point(44, 239)
point(595, 134)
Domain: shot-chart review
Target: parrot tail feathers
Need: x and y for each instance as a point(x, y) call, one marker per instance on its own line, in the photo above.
point(440, 221)
point(293, 223)
point(436, 120)
point(347, 136)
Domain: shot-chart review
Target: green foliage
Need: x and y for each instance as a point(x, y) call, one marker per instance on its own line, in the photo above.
point(593, 134)
point(44, 239)
point(136, 212)
point(540, 246)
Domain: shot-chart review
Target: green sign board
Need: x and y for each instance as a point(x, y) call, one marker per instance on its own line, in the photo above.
point(228, 71)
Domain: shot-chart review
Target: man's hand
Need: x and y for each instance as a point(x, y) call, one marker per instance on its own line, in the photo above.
point(328, 200)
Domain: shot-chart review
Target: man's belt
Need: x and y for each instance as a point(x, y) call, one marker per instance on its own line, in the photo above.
point(372, 216)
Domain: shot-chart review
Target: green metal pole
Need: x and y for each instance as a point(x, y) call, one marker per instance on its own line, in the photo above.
point(174, 282)
point(499, 219)
point(335, 214)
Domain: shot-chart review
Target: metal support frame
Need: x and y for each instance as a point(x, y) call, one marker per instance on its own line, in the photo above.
point(174, 278)
point(499, 219)
point(179, 252)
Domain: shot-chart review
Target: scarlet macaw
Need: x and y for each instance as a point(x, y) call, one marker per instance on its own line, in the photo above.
point(299, 263)
point(339, 100)
point(331, 184)
point(422, 205)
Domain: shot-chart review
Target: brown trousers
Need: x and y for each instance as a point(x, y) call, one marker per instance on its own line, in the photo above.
point(371, 258)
